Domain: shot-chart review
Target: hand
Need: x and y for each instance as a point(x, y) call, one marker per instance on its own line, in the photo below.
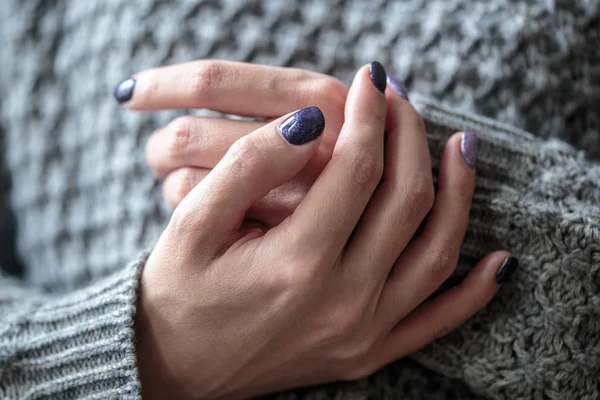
point(184, 152)
point(335, 291)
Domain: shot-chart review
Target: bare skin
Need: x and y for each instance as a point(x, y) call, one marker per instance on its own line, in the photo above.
point(327, 287)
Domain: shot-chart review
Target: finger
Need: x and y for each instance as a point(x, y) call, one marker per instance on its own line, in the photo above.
point(180, 183)
point(332, 207)
point(443, 314)
point(402, 199)
point(270, 210)
point(228, 87)
point(194, 142)
point(253, 166)
point(430, 259)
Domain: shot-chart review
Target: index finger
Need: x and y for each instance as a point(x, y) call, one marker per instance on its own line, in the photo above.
point(227, 87)
point(335, 202)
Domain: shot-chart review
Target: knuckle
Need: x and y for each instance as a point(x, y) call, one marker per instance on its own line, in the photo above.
point(243, 155)
point(420, 194)
point(443, 257)
point(297, 282)
point(366, 168)
point(347, 323)
point(207, 78)
point(296, 278)
point(342, 329)
point(357, 371)
point(336, 92)
point(443, 329)
point(359, 350)
point(179, 136)
point(184, 223)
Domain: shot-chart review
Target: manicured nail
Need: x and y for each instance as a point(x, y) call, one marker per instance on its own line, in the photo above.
point(469, 144)
point(398, 86)
point(378, 75)
point(303, 126)
point(509, 266)
point(124, 90)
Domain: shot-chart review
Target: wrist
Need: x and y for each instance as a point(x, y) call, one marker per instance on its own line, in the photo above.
point(157, 381)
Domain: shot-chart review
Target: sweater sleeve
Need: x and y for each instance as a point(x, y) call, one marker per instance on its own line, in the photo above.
point(72, 346)
point(539, 199)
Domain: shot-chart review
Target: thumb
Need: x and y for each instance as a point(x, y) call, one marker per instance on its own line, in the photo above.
point(255, 164)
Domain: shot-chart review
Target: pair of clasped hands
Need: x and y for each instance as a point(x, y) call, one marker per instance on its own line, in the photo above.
point(289, 259)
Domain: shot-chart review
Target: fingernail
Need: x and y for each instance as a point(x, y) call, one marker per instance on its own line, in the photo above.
point(124, 90)
point(398, 87)
point(469, 144)
point(378, 75)
point(509, 266)
point(303, 126)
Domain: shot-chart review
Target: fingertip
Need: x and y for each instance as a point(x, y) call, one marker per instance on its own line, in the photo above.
point(457, 142)
point(491, 269)
point(365, 102)
point(480, 285)
point(478, 288)
point(373, 76)
point(456, 178)
point(454, 139)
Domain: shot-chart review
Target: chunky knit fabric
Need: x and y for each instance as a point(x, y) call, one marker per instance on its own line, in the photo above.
point(77, 202)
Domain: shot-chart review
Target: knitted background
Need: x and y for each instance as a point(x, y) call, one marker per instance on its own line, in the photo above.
point(85, 202)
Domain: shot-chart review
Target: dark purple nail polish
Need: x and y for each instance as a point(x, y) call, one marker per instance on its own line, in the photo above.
point(469, 144)
point(303, 126)
point(378, 75)
point(124, 90)
point(509, 266)
point(398, 86)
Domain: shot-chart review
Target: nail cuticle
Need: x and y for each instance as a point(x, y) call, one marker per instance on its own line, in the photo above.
point(378, 75)
point(303, 126)
point(124, 90)
point(469, 146)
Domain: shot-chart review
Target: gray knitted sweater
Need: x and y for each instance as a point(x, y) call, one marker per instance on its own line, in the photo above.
point(77, 202)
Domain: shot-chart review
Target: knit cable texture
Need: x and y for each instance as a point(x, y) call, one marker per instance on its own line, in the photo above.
point(85, 203)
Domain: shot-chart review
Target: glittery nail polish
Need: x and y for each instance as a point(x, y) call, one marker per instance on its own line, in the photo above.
point(124, 90)
point(378, 75)
point(469, 144)
point(303, 126)
point(398, 87)
point(509, 266)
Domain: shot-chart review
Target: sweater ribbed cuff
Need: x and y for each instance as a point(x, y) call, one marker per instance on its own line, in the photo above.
point(79, 345)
